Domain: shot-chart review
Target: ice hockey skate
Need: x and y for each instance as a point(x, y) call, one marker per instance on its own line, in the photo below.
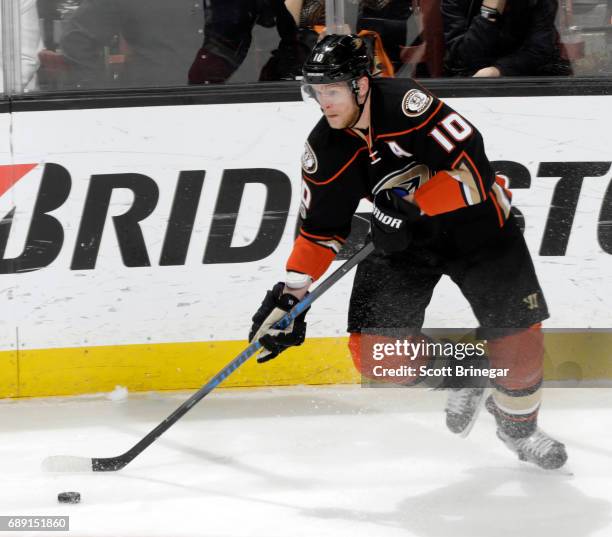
point(462, 408)
point(537, 448)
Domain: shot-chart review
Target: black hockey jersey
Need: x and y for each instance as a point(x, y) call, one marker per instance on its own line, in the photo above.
point(415, 142)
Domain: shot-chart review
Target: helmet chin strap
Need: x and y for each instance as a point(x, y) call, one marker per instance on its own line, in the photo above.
point(355, 88)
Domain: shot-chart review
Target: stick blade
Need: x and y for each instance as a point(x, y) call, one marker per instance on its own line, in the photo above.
point(67, 463)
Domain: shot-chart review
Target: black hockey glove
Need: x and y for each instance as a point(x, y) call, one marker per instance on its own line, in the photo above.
point(392, 222)
point(272, 309)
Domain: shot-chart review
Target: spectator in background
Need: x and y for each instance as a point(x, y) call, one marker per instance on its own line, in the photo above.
point(228, 35)
point(31, 44)
point(159, 35)
point(491, 38)
point(229, 24)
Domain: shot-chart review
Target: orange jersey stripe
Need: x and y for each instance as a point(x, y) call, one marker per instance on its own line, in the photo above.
point(441, 194)
point(389, 134)
point(311, 180)
point(464, 155)
point(502, 184)
point(322, 237)
point(309, 258)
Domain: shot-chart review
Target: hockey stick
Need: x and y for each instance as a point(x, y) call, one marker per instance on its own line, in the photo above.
point(68, 463)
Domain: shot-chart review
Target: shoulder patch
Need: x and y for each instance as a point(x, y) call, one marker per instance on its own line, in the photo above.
point(416, 102)
point(309, 159)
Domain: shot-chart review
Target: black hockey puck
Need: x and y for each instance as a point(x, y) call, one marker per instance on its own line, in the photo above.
point(69, 497)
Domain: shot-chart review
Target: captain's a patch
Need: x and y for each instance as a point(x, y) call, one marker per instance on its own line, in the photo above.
point(416, 102)
point(309, 159)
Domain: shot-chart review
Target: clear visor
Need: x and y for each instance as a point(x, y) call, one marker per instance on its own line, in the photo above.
point(327, 94)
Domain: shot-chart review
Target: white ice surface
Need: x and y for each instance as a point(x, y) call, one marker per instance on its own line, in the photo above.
point(315, 462)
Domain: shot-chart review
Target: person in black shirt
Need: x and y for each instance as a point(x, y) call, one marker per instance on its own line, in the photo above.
point(228, 37)
point(229, 25)
point(490, 38)
point(439, 209)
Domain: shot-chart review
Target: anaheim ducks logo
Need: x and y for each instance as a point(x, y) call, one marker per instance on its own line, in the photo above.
point(309, 159)
point(407, 179)
point(416, 102)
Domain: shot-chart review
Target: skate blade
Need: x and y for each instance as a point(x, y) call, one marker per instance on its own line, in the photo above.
point(563, 471)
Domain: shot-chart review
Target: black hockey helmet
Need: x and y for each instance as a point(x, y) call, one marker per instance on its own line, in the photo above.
point(336, 58)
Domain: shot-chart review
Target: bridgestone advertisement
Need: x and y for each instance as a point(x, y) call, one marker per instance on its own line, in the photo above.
point(167, 224)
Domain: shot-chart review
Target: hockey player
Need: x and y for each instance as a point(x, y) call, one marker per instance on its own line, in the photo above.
point(438, 208)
